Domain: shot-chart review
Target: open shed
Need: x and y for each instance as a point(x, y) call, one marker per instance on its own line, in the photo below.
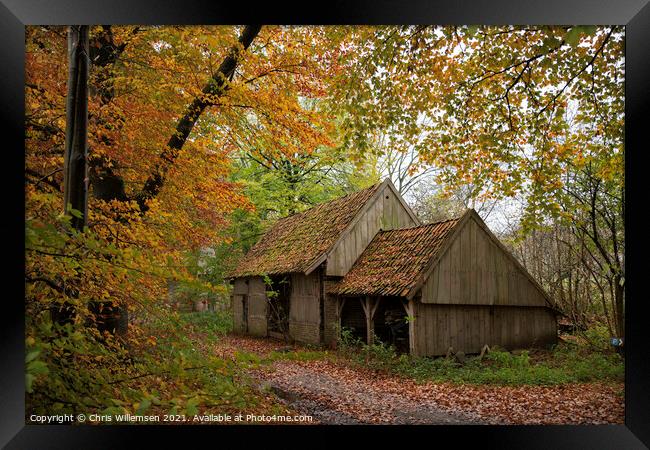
point(457, 285)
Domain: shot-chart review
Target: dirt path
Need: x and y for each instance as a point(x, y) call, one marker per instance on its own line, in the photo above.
point(336, 393)
point(331, 400)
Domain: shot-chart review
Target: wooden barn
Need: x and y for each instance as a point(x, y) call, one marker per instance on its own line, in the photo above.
point(364, 263)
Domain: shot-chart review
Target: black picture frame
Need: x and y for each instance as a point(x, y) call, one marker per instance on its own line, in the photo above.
point(634, 14)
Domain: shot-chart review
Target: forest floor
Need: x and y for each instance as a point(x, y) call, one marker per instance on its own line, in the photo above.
point(332, 390)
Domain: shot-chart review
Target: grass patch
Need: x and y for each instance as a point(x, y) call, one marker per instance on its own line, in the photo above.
point(217, 323)
point(565, 363)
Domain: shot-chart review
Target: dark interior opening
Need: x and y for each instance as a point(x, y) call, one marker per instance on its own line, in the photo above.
point(279, 295)
point(354, 319)
point(391, 327)
point(389, 322)
point(244, 304)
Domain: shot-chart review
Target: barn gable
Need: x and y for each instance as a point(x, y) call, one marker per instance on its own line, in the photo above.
point(385, 210)
point(475, 268)
point(458, 261)
point(336, 231)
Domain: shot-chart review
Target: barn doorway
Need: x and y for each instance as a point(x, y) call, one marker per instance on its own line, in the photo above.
point(278, 293)
point(353, 320)
point(390, 324)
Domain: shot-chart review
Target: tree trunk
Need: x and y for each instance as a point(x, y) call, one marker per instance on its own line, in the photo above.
point(75, 184)
point(213, 89)
point(619, 296)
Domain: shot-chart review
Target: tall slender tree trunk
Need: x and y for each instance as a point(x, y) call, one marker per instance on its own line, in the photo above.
point(619, 295)
point(75, 183)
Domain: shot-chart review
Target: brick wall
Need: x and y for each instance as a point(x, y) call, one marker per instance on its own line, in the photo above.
point(306, 332)
point(330, 329)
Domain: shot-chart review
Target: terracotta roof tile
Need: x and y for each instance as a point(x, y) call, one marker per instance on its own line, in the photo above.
point(295, 242)
point(394, 260)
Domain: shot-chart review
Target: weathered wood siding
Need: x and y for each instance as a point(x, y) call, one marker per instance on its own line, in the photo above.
point(468, 328)
point(254, 290)
point(305, 315)
point(476, 271)
point(240, 288)
point(238, 313)
point(257, 307)
point(386, 212)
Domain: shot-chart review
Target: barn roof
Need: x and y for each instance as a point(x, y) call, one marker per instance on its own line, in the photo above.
point(395, 260)
point(295, 242)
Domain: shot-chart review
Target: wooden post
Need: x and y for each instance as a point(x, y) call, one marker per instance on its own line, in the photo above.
point(365, 304)
point(410, 311)
point(369, 308)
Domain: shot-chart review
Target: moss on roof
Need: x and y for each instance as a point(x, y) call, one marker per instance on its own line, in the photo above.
point(394, 260)
point(295, 242)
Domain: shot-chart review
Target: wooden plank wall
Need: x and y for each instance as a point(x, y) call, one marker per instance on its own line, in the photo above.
point(386, 212)
point(304, 309)
point(238, 313)
point(257, 307)
point(475, 271)
point(468, 328)
point(240, 288)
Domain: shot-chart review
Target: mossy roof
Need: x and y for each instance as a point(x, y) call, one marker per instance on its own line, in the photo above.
point(395, 260)
point(293, 244)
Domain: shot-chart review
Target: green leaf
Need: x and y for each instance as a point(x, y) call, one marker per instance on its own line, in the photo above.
point(144, 405)
point(29, 379)
point(471, 30)
point(572, 37)
point(191, 406)
point(32, 355)
point(550, 42)
point(589, 30)
point(76, 213)
point(37, 368)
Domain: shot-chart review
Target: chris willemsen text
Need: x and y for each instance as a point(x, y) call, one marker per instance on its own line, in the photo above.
point(80, 418)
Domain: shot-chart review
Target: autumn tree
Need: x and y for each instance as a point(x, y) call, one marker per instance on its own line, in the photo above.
point(166, 108)
point(513, 111)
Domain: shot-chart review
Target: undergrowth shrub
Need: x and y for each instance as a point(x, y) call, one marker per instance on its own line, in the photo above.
point(563, 364)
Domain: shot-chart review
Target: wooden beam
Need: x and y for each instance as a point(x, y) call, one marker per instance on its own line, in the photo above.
point(410, 311)
point(374, 308)
point(366, 303)
point(340, 305)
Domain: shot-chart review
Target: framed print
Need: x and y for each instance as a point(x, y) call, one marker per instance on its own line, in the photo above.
point(422, 217)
